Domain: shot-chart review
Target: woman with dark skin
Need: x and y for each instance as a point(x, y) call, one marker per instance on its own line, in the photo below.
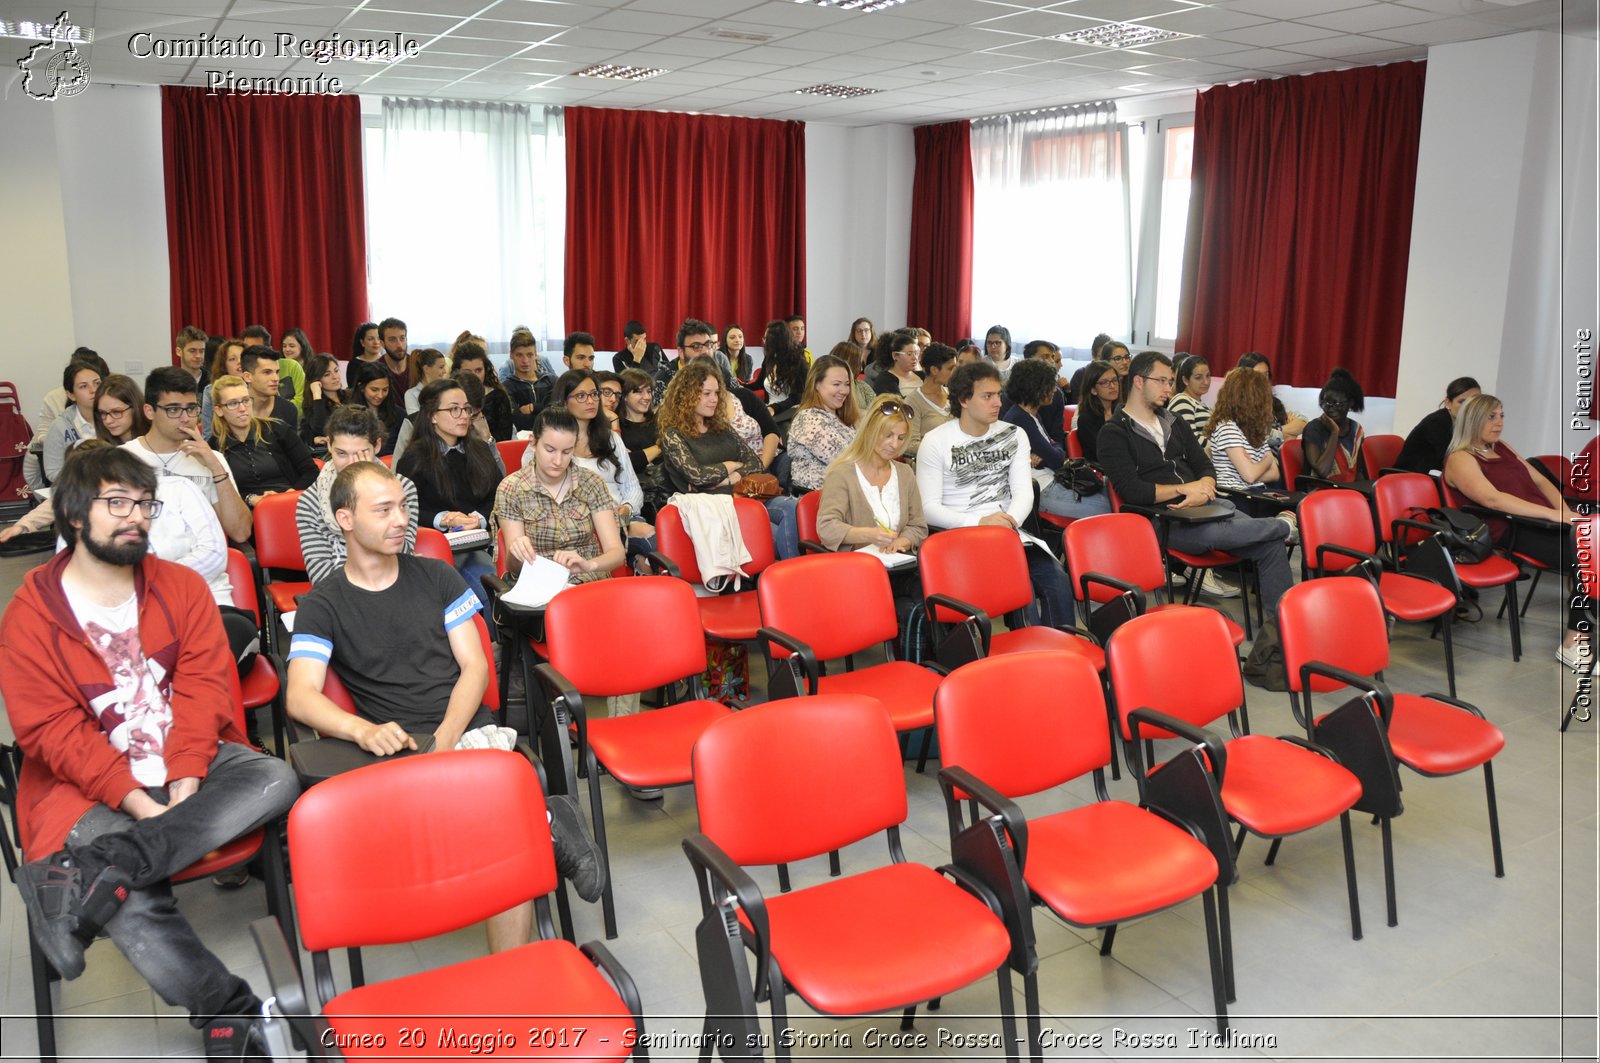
point(1333, 441)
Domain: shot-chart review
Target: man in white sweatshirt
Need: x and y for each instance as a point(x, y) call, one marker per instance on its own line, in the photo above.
point(974, 471)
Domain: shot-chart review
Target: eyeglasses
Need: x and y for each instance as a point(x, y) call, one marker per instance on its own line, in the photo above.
point(122, 505)
point(114, 414)
point(703, 346)
point(584, 396)
point(236, 404)
point(1109, 378)
point(1334, 403)
point(1162, 381)
point(175, 411)
point(456, 411)
point(611, 393)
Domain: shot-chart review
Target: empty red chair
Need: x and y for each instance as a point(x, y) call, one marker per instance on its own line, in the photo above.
point(1273, 787)
point(646, 749)
point(828, 607)
point(1021, 724)
point(380, 856)
point(1336, 535)
point(793, 779)
point(806, 514)
point(1378, 452)
point(1334, 637)
point(733, 616)
point(283, 567)
point(263, 685)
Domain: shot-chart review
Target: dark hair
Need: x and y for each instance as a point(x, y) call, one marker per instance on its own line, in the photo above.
point(1107, 352)
point(474, 388)
point(888, 343)
point(69, 375)
point(213, 344)
point(472, 351)
point(168, 380)
point(254, 354)
point(388, 323)
point(354, 420)
point(361, 330)
point(965, 380)
point(1140, 366)
point(1032, 383)
point(1185, 365)
point(601, 443)
point(358, 376)
point(84, 475)
point(1460, 386)
point(127, 390)
point(1343, 383)
point(573, 340)
point(783, 360)
point(606, 376)
point(299, 336)
point(342, 494)
point(936, 356)
point(1001, 331)
point(317, 368)
point(429, 356)
point(1093, 373)
point(631, 329)
point(792, 318)
point(1095, 344)
point(1251, 359)
point(693, 326)
point(187, 335)
point(257, 334)
point(1033, 347)
point(742, 363)
point(556, 419)
point(426, 460)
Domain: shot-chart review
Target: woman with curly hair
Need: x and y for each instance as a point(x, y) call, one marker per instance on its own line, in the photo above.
point(702, 452)
point(1238, 436)
point(468, 354)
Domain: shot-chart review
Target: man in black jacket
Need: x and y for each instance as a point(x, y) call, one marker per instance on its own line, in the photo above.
point(1152, 459)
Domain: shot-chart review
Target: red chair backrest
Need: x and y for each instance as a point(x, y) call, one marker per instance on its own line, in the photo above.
point(511, 452)
point(579, 617)
point(672, 538)
point(422, 821)
point(1378, 452)
point(985, 567)
point(1068, 413)
point(334, 690)
point(806, 515)
point(276, 534)
point(1023, 722)
point(1336, 621)
point(791, 779)
point(1293, 460)
point(386, 460)
point(1074, 445)
point(1339, 516)
point(432, 543)
point(838, 604)
point(1123, 545)
point(243, 582)
point(1400, 496)
point(1179, 661)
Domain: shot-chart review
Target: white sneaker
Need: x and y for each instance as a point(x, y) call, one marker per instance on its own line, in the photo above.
point(1289, 518)
point(1217, 587)
point(1574, 656)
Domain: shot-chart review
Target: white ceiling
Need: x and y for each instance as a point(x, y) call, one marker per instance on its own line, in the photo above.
point(933, 60)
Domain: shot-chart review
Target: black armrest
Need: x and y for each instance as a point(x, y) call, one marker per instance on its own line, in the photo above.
point(1121, 586)
point(811, 546)
point(713, 866)
point(1011, 817)
point(287, 991)
point(1307, 744)
point(558, 703)
point(1216, 749)
point(985, 624)
point(1307, 481)
point(661, 566)
point(618, 976)
point(1465, 706)
point(1365, 683)
point(807, 656)
point(1363, 559)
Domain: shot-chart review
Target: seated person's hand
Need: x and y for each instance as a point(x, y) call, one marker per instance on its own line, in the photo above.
point(572, 561)
point(878, 537)
point(1192, 494)
point(521, 548)
point(1035, 461)
point(901, 545)
point(9, 534)
point(998, 520)
point(383, 739)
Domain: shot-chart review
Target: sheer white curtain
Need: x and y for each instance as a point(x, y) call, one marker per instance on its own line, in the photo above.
point(461, 217)
point(1050, 225)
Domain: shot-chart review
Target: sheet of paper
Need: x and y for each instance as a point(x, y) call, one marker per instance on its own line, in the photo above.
point(889, 559)
point(287, 619)
point(539, 581)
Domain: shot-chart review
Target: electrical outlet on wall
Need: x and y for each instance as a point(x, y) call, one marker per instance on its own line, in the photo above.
point(134, 369)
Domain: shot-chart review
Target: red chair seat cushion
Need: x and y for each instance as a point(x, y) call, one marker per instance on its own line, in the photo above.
point(731, 617)
point(1410, 598)
point(1493, 571)
point(905, 689)
point(1111, 861)
point(261, 685)
point(235, 852)
point(1209, 559)
point(549, 982)
point(1235, 632)
point(1054, 520)
point(652, 748)
point(1048, 640)
point(1277, 788)
point(883, 939)
point(283, 595)
point(1440, 739)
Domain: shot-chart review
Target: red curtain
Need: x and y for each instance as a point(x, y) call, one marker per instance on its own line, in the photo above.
point(266, 217)
point(1300, 223)
point(675, 215)
point(940, 296)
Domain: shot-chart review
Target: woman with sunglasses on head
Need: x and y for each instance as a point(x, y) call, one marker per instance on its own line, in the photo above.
point(266, 455)
point(868, 497)
point(1333, 441)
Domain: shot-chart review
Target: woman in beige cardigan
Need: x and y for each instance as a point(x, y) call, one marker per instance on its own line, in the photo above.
point(869, 498)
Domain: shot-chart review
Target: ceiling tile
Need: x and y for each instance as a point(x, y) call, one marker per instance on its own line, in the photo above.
point(1287, 9)
point(636, 21)
point(1441, 32)
point(1337, 46)
point(1204, 20)
point(1123, 10)
point(394, 22)
point(1367, 18)
point(1274, 34)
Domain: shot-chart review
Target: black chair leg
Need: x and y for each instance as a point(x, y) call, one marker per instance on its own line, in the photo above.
point(1272, 852)
point(1350, 872)
point(1516, 620)
point(1225, 927)
point(1108, 939)
point(908, 1018)
point(927, 747)
point(1388, 871)
point(44, 1012)
point(1008, 1013)
point(833, 864)
point(1494, 820)
point(1446, 622)
point(597, 816)
point(1219, 976)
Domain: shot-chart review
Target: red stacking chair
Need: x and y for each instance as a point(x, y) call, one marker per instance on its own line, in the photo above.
point(647, 749)
point(1273, 787)
point(828, 607)
point(380, 856)
point(1379, 452)
point(1116, 556)
point(1018, 725)
point(806, 514)
point(1292, 459)
point(793, 779)
point(1403, 499)
point(1336, 536)
point(264, 686)
point(1334, 637)
point(1456, 500)
point(432, 543)
point(729, 617)
point(511, 452)
point(283, 567)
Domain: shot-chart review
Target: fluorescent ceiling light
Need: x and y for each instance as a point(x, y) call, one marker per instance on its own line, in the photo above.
point(1118, 35)
point(838, 92)
point(27, 30)
point(617, 72)
point(854, 5)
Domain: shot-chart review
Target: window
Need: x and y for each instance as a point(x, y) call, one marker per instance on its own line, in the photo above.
point(1162, 150)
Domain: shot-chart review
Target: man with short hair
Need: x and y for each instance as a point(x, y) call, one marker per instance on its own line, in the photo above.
point(175, 447)
point(639, 353)
point(256, 334)
point(114, 671)
point(1152, 459)
point(258, 367)
point(392, 331)
point(974, 470)
point(190, 349)
point(434, 690)
point(354, 433)
point(527, 381)
point(578, 351)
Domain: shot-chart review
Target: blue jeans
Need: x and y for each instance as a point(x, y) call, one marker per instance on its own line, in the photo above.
point(1060, 501)
point(242, 790)
point(473, 567)
point(1050, 588)
point(782, 512)
point(1260, 539)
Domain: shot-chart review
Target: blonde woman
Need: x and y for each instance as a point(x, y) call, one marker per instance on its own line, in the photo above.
point(265, 455)
point(869, 498)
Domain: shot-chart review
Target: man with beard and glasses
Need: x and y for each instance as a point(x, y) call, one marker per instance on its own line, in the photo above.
point(113, 666)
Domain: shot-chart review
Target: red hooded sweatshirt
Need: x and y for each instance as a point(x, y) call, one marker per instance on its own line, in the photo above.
point(49, 673)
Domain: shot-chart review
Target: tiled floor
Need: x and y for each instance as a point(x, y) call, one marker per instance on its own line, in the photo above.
point(1477, 968)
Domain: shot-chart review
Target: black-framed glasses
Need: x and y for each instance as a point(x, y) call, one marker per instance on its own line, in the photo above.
point(610, 393)
point(456, 411)
point(1335, 402)
point(703, 346)
point(122, 505)
point(175, 410)
point(236, 404)
point(584, 396)
point(114, 414)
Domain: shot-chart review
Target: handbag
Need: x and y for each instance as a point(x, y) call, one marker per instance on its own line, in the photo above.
point(757, 485)
point(1078, 476)
point(1464, 535)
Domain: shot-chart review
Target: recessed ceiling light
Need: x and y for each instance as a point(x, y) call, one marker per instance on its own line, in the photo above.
point(854, 5)
point(838, 92)
point(743, 36)
point(617, 72)
point(1119, 35)
point(28, 30)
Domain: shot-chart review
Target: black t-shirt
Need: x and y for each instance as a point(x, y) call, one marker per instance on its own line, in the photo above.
point(391, 647)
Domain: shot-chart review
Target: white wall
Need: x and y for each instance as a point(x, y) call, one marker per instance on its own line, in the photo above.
point(858, 229)
point(1498, 182)
point(86, 237)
